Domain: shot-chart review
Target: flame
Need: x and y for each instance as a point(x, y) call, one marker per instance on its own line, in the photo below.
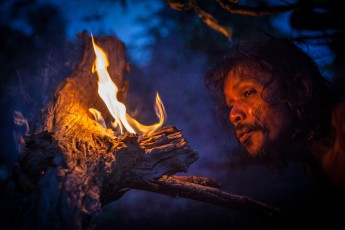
point(107, 90)
point(161, 114)
point(98, 116)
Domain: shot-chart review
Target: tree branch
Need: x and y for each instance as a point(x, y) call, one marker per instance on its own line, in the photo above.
point(207, 190)
point(267, 10)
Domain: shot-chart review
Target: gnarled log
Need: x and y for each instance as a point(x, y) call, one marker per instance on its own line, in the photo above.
point(71, 165)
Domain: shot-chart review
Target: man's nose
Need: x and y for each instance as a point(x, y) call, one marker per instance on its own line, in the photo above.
point(236, 114)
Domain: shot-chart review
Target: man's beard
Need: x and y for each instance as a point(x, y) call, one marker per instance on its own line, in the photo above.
point(274, 155)
point(274, 160)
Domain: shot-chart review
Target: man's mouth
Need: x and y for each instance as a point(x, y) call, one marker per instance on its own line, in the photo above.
point(243, 132)
point(243, 136)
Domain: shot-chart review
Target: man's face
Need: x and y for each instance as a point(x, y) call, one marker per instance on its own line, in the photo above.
point(260, 126)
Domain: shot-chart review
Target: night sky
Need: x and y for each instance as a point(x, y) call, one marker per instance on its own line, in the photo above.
point(167, 66)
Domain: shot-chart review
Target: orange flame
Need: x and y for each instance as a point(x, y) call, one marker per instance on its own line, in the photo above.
point(107, 90)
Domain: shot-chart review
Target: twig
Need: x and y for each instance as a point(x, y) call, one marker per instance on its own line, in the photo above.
point(206, 190)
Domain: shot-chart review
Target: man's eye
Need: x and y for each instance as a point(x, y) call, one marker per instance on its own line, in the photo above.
point(249, 92)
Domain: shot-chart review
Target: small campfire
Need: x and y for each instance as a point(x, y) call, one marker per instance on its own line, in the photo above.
point(86, 151)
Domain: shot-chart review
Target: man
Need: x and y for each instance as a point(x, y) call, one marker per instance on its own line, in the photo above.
point(281, 106)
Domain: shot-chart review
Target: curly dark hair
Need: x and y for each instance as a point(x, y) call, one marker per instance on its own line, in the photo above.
point(303, 88)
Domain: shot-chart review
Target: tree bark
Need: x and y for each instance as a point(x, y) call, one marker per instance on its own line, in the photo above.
point(71, 165)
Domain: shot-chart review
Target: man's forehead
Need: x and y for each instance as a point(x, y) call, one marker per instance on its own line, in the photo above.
point(236, 78)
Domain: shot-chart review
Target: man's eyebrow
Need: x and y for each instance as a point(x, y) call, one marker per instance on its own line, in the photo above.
point(237, 84)
point(242, 81)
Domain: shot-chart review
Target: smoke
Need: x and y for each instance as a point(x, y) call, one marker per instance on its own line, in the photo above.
point(31, 82)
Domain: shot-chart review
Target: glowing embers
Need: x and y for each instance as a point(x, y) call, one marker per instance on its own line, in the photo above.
point(107, 90)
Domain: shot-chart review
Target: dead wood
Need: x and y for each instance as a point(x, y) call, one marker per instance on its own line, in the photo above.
point(71, 165)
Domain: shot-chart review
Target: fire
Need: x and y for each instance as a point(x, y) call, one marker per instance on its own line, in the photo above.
point(107, 90)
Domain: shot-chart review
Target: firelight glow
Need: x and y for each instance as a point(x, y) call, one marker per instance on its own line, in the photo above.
point(107, 90)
